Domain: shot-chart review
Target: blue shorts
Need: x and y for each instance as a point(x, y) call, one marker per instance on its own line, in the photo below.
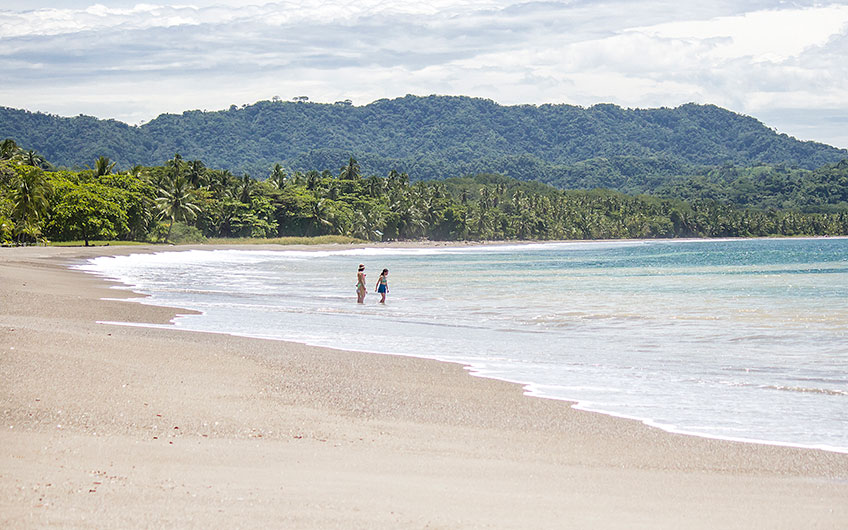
point(382, 289)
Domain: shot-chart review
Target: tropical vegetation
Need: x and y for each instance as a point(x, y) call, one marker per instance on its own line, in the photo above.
point(184, 200)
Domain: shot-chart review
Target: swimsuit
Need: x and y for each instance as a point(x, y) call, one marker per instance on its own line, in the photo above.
point(382, 288)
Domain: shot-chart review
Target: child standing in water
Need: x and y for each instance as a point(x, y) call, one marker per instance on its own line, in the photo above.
point(382, 286)
point(361, 290)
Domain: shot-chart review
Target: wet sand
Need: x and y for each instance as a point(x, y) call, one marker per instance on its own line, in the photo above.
point(108, 426)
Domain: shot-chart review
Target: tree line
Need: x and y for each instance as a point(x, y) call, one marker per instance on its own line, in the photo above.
point(184, 200)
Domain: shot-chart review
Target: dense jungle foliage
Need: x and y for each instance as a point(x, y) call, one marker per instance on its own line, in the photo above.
point(184, 200)
point(603, 146)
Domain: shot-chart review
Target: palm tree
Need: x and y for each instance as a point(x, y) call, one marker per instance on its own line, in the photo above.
point(333, 190)
point(103, 166)
point(196, 173)
point(297, 178)
point(320, 216)
point(176, 165)
point(411, 222)
point(136, 171)
point(140, 218)
point(518, 200)
point(376, 186)
point(176, 204)
point(367, 225)
point(7, 174)
point(278, 177)
point(482, 224)
point(460, 223)
point(393, 178)
point(484, 202)
point(245, 188)
point(223, 214)
point(31, 158)
point(9, 150)
point(29, 201)
point(351, 170)
point(219, 183)
point(312, 179)
point(426, 204)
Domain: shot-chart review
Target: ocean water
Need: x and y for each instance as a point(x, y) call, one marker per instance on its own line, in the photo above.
point(735, 339)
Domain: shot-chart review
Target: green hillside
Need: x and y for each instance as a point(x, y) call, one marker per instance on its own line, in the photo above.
point(436, 137)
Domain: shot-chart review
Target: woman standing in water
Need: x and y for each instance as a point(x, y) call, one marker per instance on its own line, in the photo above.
point(382, 286)
point(361, 290)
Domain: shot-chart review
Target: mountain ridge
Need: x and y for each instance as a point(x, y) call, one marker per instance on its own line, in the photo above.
point(432, 137)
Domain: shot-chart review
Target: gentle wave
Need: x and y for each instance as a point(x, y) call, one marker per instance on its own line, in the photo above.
point(661, 331)
point(805, 390)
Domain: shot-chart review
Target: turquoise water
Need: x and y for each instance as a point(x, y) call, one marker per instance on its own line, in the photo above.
point(737, 339)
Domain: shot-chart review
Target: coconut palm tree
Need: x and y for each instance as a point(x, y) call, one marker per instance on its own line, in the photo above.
point(29, 201)
point(484, 200)
point(136, 171)
point(31, 158)
point(393, 178)
point(195, 173)
point(367, 225)
point(313, 178)
point(103, 166)
point(278, 177)
point(176, 204)
point(351, 170)
point(411, 221)
point(245, 188)
point(376, 186)
point(9, 150)
point(176, 165)
point(482, 224)
point(333, 190)
point(321, 217)
point(219, 184)
point(297, 179)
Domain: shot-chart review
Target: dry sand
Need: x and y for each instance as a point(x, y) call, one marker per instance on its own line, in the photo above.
point(108, 426)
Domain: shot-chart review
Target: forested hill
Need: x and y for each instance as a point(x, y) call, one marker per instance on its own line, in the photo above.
point(432, 138)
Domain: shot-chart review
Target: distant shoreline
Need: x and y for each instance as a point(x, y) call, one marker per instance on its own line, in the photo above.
point(424, 243)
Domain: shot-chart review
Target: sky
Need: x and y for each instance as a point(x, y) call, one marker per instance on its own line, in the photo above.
point(783, 63)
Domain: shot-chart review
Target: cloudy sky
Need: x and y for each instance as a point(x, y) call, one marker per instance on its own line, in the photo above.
point(781, 62)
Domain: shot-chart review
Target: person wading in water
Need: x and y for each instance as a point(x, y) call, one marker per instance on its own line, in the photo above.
point(361, 290)
point(382, 286)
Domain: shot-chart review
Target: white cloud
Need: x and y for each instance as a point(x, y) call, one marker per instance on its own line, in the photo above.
point(769, 35)
point(133, 61)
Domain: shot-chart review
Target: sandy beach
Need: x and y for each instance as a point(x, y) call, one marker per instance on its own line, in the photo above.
point(107, 426)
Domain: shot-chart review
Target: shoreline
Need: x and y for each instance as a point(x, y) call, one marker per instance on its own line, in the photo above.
point(365, 440)
point(528, 387)
point(474, 372)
